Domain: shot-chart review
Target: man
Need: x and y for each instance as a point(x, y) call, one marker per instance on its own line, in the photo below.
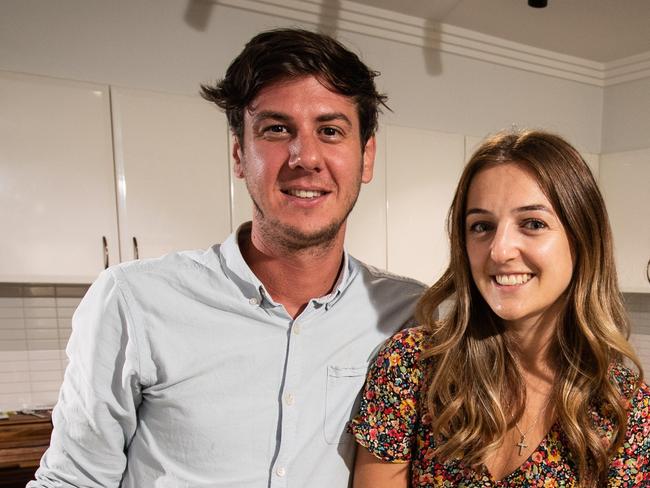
point(240, 366)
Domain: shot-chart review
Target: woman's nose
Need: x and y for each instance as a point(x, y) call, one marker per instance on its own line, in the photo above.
point(505, 245)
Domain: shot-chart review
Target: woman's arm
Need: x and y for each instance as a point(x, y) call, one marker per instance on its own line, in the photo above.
point(371, 472)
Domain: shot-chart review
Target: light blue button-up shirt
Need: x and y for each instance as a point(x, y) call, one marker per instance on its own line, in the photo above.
point(185, 373)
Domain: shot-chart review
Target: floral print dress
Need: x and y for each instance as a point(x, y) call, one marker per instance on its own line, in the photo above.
point(389, 425)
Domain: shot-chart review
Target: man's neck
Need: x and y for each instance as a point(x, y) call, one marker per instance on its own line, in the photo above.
point(294, 277)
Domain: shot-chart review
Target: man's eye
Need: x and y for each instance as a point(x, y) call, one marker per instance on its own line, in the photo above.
point(278, 129)
point(330, 131)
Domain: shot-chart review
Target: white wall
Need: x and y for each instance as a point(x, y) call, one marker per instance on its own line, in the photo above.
point(148, 44)
point(626, 122)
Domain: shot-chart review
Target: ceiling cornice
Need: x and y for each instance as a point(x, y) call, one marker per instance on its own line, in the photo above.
point(348, 16)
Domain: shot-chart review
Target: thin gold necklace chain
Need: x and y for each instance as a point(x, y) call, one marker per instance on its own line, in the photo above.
point(522, 441)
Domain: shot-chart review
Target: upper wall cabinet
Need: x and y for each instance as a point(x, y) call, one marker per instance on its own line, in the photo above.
point(423, 168)
point(171, 160)
point(365, 236)
point(56, 180)
point(625, 183)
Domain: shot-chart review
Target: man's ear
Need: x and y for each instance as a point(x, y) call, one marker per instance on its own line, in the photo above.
point(368, 162)
point(237, 156)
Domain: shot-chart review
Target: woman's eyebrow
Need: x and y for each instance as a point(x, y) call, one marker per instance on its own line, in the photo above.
point(523, 208)
point(533, 208)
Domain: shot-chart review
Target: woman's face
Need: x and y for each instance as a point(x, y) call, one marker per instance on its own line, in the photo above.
point(519, 252)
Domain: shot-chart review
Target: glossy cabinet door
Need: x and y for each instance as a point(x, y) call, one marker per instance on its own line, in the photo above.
point(625, 183)
point(171, 161)
point(423, 168)
point(365, 236)
point(57, 191)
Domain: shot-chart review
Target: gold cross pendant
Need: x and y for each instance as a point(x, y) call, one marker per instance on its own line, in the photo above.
point(521, 444)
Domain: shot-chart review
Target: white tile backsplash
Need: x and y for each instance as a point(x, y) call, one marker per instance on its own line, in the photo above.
point(40, 312)
point(34, 330)
point(42, 323)
point(36, 376)
point(11, 302)
point(40, 334)
point(65, 312)
point(13, 345)
point(12, 334)
point(40, 302)
point(14, 377)
point(6, 323)
point(641, 343)
point(11, 312)
point(68, 302)
point(43, 355)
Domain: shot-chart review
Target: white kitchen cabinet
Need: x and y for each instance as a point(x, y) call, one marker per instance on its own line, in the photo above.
point(56, 180)
point(423, 168)
point(592, 160)
point(365, 236)
point(625, 184)
point(241, 205)
point(171, 161)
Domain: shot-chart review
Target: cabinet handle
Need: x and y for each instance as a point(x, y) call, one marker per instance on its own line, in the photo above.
point(647, 271)
point(136, 254)
point(105, 244)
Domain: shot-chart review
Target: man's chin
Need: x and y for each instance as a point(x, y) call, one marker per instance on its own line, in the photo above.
point(298, 238)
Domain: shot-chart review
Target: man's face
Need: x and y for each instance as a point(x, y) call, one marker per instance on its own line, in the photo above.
point(302, 161)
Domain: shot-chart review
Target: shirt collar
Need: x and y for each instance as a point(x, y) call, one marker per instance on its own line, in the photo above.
point(236, 268)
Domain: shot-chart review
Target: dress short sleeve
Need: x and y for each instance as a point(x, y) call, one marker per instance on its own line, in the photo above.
point(630, 467)
point(389, 410)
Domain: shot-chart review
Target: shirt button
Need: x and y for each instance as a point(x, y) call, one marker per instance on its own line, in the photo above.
point(290, 399)
point(254, 301)
point(296, 329)
point(281, 471)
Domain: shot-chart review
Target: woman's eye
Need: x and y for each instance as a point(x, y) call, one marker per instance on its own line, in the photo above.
point(479, 227)
point(534, 224)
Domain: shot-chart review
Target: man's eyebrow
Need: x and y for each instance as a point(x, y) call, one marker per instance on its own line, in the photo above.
point(270, 114)
point(334, 116)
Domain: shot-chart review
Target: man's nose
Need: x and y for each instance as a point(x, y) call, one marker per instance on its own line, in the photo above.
point(505, 245)
point(305, 152)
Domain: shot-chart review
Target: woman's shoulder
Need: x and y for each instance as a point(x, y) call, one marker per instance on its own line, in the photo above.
point(408, 343)
point(400, 354)
point(628, 382)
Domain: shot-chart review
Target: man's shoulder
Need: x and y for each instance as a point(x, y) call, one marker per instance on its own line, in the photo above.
point(173, 264)
point(374, 276)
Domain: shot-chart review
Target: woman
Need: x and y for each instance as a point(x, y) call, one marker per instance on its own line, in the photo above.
point(522, 383)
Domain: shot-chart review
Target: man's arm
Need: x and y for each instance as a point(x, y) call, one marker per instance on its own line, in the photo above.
point(95, 416)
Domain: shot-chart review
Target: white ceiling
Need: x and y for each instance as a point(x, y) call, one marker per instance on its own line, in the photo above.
point(598, 30)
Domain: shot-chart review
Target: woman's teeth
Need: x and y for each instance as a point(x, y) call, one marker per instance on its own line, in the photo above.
point(513, 279)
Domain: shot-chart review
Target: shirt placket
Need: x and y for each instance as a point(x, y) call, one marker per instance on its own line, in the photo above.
point(290, 402)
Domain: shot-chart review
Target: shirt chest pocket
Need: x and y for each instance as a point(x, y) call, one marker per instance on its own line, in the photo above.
point(344, 384)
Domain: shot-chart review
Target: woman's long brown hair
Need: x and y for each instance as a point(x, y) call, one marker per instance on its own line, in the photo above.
point(475, 390)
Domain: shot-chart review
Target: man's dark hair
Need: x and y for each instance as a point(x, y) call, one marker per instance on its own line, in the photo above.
point(291, 53)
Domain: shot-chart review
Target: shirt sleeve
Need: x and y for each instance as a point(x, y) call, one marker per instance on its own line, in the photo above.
point(631, 464)
point(389, 409)
point(95, 416)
